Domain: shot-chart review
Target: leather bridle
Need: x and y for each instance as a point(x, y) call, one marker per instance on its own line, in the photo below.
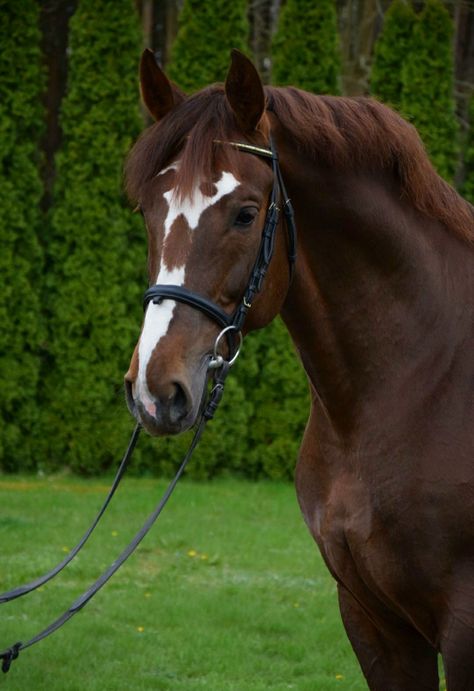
point(231, 326)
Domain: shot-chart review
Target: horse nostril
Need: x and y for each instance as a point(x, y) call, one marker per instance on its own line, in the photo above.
point(178, 407)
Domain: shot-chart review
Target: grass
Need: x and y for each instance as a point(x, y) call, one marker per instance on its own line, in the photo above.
point(228, 592)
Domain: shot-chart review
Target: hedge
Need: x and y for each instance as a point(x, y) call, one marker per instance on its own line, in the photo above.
point(22, 327)
point(71, 312)
point(390, 52)
point(95, 250)
point(305, 51)
point(94, 276)
point(207, 31)
point(275, 382)
point(428, 87)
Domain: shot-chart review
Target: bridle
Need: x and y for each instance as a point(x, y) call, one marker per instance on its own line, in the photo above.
point(231, 326)
point(232, 323)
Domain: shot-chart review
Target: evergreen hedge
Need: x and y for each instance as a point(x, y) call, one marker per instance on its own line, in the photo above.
point(274, 379)
point(390, 52)
point(305, 50)
point(207, 31)
point(21, 325)
point(93, 272)
point(428, 86)
point(95, 250)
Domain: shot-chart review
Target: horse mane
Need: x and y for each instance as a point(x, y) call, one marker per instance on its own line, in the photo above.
point(360, 132)
point(345, 133)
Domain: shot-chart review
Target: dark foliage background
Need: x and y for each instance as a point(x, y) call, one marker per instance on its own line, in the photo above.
point(73, 256)
point(22, 331)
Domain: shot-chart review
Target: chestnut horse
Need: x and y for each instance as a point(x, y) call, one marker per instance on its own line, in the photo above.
point(381, 310)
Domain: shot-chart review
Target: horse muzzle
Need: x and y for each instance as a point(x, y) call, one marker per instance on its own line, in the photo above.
point(170, 407)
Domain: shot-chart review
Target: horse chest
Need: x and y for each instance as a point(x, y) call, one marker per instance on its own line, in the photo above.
point(360, 526)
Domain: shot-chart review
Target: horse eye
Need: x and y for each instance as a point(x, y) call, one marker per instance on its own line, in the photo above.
point(246, 216)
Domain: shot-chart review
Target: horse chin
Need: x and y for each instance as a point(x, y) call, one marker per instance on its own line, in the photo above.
point(159, 427)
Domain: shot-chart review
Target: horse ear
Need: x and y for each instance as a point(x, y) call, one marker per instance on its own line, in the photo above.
point(244, 91)
point(158, 93)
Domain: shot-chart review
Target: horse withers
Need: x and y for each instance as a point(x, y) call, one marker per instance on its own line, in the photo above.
point(381, 310)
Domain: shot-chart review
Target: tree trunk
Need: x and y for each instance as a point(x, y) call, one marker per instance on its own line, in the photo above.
point(54, 23)
point(359, 24)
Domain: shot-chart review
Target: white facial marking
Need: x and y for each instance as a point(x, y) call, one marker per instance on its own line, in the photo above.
point(158, 317)
point(197, 203)
point(155, 326)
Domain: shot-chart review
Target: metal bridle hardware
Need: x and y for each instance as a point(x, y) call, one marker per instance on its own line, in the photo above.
point(220, 368)
point(217, 360)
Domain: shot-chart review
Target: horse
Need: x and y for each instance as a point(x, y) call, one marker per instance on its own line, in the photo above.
point(380, 308)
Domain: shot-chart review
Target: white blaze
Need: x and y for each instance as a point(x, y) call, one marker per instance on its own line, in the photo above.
point(158, 317)
point(192, 208)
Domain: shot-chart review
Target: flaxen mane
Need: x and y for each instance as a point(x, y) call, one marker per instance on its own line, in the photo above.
point(346, 133)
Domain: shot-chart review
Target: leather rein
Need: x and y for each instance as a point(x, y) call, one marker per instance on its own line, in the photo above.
point(231, 326)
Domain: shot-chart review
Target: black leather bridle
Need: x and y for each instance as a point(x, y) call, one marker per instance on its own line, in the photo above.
point(230, 323)
point(235, 321)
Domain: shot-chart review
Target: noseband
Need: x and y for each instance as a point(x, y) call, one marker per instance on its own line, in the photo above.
point(232, 323)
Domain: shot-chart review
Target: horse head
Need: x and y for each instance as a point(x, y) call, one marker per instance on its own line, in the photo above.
point(204, 201)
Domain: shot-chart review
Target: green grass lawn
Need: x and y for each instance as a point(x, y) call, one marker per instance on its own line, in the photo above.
point(228, 592)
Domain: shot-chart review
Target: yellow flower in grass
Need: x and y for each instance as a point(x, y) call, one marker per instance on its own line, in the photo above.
point(192, 553)
point(140, 629)
point(339, 677)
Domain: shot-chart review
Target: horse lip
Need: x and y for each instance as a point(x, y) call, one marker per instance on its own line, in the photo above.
point(130, 400)
point(162, 426)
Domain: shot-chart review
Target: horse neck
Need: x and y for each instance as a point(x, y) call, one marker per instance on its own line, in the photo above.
point(376, 303)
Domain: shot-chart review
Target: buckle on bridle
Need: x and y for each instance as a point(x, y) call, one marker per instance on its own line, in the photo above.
point(217, 360)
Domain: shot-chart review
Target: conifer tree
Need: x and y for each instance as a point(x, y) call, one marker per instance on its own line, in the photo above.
point(95, 249)
point(391, 51)
point(428, 86)
point(305, 47)
point(21, 327)
point(207, 31)
point(281, 403)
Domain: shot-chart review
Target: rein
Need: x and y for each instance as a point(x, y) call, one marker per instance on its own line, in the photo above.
point(220, 367)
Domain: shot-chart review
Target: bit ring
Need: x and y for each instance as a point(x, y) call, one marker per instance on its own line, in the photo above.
point(217, 360)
